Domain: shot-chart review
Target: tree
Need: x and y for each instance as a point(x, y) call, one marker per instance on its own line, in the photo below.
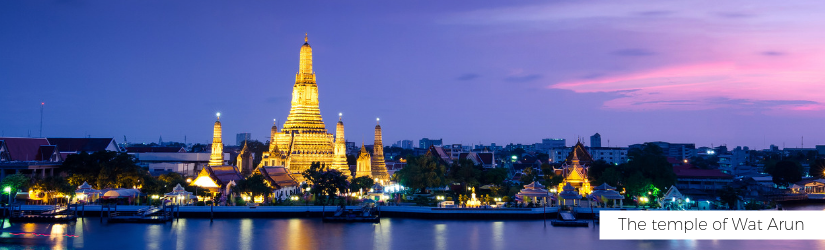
point(464, 171)
point(786, 172)
point(651, 162)
point(54, 187)
point(422, 172)
point(361, 183)
point(597, 168)
point(17, 182)
point(529, 175)
point(611, 176)
point(729, 196)
point(817, 169)
point(495, 176)
point(637, 185)
point(104, 169)
point(255, 185)
point(197, 148)
point(324, 181)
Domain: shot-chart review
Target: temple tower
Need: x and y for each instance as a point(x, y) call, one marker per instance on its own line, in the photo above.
point(244, 160)
point(216, 159)
point(379, 167)
point(339, 159)
point(273, 156)
point(304, 139)
point(363, 163)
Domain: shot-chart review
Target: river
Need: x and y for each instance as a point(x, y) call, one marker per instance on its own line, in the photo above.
point(311, 233)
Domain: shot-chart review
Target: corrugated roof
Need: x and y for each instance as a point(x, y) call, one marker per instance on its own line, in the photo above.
point(81, 144)
point(279, 176)
point(24, 149)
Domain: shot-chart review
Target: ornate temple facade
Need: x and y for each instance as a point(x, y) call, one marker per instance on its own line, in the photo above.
point(575, 172)
point(216, 158)
point(339, 155)
point(304, 138)
point(363, 165)
point(379, 167)
point(244, 160)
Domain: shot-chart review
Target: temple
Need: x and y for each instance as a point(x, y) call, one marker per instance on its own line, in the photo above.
point(244, 160)
point(216, 159)
point(304, 139)
point(217, 177)
point(574, 173)
point(379, 167)
point(363, 164)
point(339, 158)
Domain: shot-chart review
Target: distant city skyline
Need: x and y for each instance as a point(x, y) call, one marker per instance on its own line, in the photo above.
point(739, 73)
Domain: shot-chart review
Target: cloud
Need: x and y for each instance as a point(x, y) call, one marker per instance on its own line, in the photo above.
point(633, 52)
point(710, 86)
point(526, 78)
point(735, 15)
point(772, 53)
point(468, 76)
point(655, 13)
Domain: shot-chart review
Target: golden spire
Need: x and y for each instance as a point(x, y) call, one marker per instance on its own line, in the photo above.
point(378, 166)
point(216, 158)
point(305, 74)
point(306, 37)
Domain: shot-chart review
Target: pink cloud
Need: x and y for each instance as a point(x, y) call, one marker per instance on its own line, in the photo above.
point(711, 85)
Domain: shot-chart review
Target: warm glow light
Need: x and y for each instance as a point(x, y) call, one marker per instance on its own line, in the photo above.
point(218, 114)
point(204, 181)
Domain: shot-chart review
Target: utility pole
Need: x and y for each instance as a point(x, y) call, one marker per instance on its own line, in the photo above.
point(41, 118)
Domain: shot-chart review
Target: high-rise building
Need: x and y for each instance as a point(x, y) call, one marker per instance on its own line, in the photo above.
point(426, 143)
point(405, 144)
point(216, 158)
point(242, 137)
point(596, 141)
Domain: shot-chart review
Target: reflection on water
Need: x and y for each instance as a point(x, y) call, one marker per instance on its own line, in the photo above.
point(311, 233)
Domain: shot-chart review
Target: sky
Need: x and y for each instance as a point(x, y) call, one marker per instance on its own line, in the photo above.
point(737, 73)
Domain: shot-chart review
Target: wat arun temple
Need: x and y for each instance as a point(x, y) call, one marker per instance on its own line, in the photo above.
point(304, 138)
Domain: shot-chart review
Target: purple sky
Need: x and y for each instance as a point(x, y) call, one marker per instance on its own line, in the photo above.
point(738, 73)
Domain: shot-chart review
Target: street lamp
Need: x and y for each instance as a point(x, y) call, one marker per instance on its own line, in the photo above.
point(7, 189)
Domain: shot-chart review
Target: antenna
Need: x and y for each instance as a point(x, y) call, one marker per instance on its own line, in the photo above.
point(41, 118)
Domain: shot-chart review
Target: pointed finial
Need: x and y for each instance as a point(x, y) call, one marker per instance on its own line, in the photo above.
point(377, 120)
point(275, 121)
point(306, 37)
point(340, 115)
point(218, 115)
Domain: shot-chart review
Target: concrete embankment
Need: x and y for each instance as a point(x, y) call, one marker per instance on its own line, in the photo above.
point(90, 211)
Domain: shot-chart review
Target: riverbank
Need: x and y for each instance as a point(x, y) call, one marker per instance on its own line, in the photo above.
point(318, 211)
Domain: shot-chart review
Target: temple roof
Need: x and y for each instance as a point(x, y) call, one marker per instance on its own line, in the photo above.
point(604, 186)
point(569, 192)
point(581, 153)
point(278, 177)
point(221, 175)
point(27, 149)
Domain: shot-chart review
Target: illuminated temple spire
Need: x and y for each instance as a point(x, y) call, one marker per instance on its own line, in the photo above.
point(339, 158)
point(362, 167)
point(273, 133)
point(216, 159)
point(379, 167)
point(304, 139)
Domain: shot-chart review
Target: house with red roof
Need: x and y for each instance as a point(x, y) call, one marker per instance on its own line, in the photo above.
point(691, 177)
point(30, 156)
